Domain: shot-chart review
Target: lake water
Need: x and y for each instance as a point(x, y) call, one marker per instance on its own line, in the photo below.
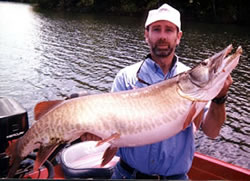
point(49, 55)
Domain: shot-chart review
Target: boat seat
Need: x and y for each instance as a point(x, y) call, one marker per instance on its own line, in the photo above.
point(82, 160)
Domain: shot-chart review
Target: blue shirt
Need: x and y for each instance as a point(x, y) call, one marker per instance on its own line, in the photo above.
point(169, 157)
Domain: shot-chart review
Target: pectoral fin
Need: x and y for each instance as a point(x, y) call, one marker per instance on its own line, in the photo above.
point(198, 119)
point(43, 154)
point(108, 155)
point(109, 139)
point(190, 116)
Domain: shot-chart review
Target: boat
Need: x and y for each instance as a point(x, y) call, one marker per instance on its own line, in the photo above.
point(85, 164)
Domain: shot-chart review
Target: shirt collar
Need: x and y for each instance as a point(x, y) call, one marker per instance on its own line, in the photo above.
point(156, 68)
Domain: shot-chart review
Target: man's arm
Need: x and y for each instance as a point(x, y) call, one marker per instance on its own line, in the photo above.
point(216, 114)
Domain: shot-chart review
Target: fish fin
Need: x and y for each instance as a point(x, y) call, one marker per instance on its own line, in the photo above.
point(11, 150)
point(89, 137)
point(15, 159)
point(109, 139)
point(43, 107)
point(15, 165)
point(190, 116)
point(198, 119)
point(108, 155)
point(43, 154)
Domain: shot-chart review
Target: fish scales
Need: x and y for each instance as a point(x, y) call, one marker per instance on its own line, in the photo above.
point(126, 121)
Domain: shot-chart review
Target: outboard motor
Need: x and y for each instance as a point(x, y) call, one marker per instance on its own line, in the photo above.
point(13, 124)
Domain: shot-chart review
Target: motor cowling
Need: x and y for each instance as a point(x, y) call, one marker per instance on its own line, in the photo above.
point(13, 124)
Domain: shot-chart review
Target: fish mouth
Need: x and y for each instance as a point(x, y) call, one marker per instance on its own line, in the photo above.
point(234, 56)
point(218, 60)
point(202, 74)
point(204, 81)
point(222, 65)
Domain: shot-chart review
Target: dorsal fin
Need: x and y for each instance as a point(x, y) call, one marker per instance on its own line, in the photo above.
point(44, 107)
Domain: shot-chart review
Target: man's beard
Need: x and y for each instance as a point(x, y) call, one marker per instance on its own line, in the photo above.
point(162, 52)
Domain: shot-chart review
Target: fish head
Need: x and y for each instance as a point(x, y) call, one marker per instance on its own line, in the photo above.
point(205, 81)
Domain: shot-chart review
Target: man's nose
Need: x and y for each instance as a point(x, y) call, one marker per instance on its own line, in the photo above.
point(163, 35)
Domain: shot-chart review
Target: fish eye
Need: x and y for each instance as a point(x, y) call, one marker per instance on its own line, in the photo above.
point(204, 63)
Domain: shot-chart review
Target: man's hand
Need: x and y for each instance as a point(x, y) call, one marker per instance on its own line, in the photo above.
point(216, 114)
point(78, 94)
point(225, 88)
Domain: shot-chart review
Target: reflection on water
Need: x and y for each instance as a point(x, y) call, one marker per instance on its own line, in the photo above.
point(45, 56)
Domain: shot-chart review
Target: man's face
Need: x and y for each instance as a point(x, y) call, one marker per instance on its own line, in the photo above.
point(162, 38)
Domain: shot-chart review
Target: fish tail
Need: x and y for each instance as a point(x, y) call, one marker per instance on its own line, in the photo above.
point(15, 158)
point(14, 167)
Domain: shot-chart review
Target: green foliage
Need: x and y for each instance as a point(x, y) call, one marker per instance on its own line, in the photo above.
point(86, 2)
point(47, 4)
point(226, 11)
point(128, 6)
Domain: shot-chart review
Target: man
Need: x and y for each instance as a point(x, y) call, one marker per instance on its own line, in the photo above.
point(171, 158)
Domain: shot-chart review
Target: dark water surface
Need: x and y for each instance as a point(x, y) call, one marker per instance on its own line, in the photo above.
point(46, 56)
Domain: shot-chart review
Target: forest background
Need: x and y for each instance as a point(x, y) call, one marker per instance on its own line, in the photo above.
point(213, 11)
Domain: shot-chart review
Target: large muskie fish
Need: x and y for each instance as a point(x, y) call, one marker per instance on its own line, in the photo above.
point(128, 118)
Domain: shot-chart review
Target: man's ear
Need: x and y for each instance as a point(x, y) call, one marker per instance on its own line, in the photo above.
point(179, 35)
point(146, 35)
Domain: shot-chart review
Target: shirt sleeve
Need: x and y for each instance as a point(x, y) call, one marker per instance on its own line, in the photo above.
point(205, 112)
point(119, 83)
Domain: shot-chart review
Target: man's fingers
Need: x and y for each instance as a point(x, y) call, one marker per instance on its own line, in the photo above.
point(78, 94)
point(226, 86)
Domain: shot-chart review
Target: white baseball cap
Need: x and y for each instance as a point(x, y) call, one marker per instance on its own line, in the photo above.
point(165, 12)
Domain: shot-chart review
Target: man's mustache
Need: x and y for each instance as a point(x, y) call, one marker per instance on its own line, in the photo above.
point(162, 43)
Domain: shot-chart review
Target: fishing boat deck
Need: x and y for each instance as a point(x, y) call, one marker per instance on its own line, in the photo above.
point(204, 168)
point(208, 168)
